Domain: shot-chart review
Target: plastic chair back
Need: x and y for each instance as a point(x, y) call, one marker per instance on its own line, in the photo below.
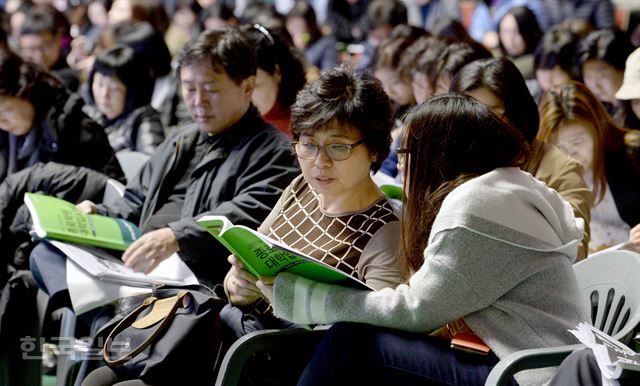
point(610, 282)
point(131, 162)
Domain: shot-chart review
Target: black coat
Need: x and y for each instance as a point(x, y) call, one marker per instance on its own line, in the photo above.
point(68, 136)
point(241, 178)
point(70, 183)
point(623, 177)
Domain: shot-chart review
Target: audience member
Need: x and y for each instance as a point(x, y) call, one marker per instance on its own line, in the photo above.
point(433, 11)
point(184, 25)
point(629, 93)
point(601, 57)
point(451, 60)
point(227, 162)
point(119, 90)
point(341, 125)
point(279, 77)
point(421, 84)
point(381, 18)
point(218, 15)
point(599, 13)
point(574, 120)
point(319, 50)
point(486, 15)
point(473, 264)
point(41, 122)
point(498, 84)
point(554, 60)
point(40, 41)
point(519, 34)
point(396, 83)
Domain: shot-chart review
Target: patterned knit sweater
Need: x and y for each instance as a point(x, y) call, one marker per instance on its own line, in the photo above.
point(362, 244)
point(499, 256)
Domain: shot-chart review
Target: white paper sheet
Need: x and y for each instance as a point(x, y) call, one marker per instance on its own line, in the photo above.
point(88, 291)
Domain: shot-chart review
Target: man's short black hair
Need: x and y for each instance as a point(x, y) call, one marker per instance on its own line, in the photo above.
point(227, 50)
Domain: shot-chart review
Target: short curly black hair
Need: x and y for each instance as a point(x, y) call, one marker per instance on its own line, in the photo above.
point(352, 99)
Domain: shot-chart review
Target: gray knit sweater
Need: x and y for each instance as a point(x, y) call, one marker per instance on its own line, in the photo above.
point(499, 256)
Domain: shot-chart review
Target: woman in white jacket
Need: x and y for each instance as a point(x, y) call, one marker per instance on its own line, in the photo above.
point(490, 249)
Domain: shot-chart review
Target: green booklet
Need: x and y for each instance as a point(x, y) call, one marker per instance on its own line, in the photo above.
point(57, 219)
point(392, 191)
point(263, 256)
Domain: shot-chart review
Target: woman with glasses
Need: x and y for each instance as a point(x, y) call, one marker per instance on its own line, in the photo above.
point(334, 211)
point(489, 248)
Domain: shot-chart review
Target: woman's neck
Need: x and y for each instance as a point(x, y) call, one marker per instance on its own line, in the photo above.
point(353, 201)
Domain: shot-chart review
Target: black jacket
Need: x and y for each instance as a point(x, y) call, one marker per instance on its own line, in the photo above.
point(67, 135)
point(623, 177)
point(71, 183)
point(242, 179)
point(141, 130)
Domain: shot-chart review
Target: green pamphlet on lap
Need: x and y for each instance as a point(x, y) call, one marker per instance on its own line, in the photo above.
point(57, 219)
point(263, 256)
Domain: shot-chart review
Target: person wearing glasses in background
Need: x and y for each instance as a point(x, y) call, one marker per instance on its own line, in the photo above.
point(334, 211)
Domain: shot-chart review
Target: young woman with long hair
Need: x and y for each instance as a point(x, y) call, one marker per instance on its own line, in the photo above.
point(499, 85)
point(575, 120)
point(487, 245)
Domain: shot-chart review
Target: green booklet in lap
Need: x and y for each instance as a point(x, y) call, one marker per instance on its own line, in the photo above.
point(57, 219)
point(263, 256)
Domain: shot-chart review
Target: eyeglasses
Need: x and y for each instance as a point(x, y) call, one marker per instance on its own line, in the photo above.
point(403, 153)
point(335, 151)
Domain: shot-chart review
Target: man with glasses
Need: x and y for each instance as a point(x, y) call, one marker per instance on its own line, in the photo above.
point(40, 41)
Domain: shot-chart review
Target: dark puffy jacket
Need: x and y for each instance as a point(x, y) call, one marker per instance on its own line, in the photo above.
point(68, 136)
point(141, 130)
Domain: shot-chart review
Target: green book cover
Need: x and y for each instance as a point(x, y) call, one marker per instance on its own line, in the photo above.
point(263, 256)
point(57, 219)
point(392, 191)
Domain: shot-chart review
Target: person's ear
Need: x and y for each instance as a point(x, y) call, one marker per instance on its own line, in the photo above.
point(277, 75)
point(248, 85)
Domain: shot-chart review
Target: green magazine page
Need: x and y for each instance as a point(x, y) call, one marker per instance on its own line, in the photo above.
point(263, 256)
point(57, 219)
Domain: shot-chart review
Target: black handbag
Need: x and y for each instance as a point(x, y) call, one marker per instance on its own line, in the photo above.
point(173, 337)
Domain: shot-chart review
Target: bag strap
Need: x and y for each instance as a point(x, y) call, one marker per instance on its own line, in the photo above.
point(129, 319)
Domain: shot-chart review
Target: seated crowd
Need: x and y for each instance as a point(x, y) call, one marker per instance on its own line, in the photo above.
point(514, 135)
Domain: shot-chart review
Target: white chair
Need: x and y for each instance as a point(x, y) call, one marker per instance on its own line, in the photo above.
point(610, 283)
point(131, 162)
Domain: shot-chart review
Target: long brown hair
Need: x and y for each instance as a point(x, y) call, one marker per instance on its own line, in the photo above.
point(449, 140)
point(575, 103)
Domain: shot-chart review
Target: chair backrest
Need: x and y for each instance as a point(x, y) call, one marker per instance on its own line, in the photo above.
point(610, 281)
point(131, 162)
point(112, 191)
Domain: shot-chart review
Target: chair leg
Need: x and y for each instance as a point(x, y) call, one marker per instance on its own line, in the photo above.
point(67, 339)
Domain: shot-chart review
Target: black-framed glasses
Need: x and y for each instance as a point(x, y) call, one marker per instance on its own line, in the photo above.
point(335, 151)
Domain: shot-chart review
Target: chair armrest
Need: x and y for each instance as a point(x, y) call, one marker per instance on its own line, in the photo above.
point(526, 360)
point(242, 349)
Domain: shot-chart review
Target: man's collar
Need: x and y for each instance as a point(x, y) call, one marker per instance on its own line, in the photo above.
point(249, 122)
